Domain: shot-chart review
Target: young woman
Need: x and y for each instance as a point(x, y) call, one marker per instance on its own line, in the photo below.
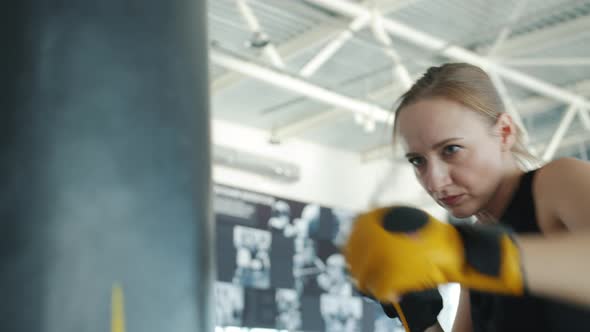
point(469, 156)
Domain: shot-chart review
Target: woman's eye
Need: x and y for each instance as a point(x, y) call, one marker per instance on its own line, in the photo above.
point(451, 149)
point(416, 161)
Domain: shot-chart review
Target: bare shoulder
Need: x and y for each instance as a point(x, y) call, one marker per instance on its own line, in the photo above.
point(561, 175)
point(565, 164)
point(561, 188)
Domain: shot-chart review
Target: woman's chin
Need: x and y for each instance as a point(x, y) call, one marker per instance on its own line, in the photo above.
point(461, 215)
point(461, 212)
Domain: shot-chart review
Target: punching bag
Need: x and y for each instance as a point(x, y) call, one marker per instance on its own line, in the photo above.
point(105, 218)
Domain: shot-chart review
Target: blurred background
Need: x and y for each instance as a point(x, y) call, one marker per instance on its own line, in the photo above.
point(302, 93)
point(109, 107)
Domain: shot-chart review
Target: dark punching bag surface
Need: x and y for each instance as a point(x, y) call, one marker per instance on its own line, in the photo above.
point(105, 166)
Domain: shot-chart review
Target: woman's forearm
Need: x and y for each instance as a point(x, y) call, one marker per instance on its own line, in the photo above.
point(558, 266)
point(435, 328)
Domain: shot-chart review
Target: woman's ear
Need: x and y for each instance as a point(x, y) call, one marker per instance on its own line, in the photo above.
point(506, 130)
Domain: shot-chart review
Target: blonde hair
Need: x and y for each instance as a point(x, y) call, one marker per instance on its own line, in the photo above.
point(471, 86)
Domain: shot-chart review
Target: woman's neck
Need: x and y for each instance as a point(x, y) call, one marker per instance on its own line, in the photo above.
point(497, 205)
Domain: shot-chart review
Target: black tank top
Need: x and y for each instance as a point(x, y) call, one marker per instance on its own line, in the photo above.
point(494, 313)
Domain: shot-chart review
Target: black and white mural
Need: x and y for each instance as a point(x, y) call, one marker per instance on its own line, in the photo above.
point(279, 266)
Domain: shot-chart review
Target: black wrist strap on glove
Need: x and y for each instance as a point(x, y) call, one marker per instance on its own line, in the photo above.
point(482, 246)
point(420, 309)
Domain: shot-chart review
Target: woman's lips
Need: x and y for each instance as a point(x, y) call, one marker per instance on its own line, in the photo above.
point(451, 200)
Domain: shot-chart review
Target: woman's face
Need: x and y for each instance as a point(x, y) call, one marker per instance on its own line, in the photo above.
point(458, 157)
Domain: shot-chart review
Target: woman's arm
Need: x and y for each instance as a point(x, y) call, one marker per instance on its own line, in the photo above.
point(462, 321)
point(434, 328)
point(557, 265)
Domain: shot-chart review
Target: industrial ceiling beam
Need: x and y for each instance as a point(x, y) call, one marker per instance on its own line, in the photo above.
point(430, 42)
point(399, 70)
point(298, 85)
point(535, 104)
point(333, 46)
point(328, 116)
point(287, 50)
point(295, 128)
point(542, 39)
point(507, 28)
point(254, 25)
point(316, 36)
point(562, 128)
point(546, 62)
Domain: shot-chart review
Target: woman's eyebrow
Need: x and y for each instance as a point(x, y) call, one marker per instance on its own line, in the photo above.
point(436, 145)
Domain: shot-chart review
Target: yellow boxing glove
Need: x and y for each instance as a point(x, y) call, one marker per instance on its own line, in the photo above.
point(395, 250)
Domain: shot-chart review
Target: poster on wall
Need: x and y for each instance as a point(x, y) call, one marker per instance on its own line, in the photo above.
point(260, 229)
point(229, 304)
point(280, 264)
point(260, 308)
point(341, 313)
point(288, 306)
point(253, 264)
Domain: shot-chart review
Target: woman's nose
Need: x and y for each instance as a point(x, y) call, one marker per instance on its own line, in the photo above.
point(437, 178)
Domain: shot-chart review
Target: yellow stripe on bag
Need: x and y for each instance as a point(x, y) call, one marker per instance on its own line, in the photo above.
point(117, 309)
